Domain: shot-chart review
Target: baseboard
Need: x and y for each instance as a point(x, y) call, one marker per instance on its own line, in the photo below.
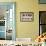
point(24, 39)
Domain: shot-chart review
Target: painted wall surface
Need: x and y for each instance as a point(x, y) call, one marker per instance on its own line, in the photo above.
point(27, 29)
point(42, 7)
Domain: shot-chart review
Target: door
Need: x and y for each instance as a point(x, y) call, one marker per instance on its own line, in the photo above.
point(42, 22)
point(7, 14)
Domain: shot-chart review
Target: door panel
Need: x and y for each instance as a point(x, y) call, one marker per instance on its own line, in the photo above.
point(7, 14)
point(42, 21)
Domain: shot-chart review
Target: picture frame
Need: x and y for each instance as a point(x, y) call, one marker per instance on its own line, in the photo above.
point(26, 16)
point(42, 1)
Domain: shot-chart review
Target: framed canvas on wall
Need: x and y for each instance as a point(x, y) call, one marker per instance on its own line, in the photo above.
point(42, 1)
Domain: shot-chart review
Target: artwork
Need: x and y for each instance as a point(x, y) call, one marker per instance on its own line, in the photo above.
point(42, 1)
point(26, 16)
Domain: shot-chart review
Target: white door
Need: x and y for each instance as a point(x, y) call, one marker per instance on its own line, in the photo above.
point(8, 10)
